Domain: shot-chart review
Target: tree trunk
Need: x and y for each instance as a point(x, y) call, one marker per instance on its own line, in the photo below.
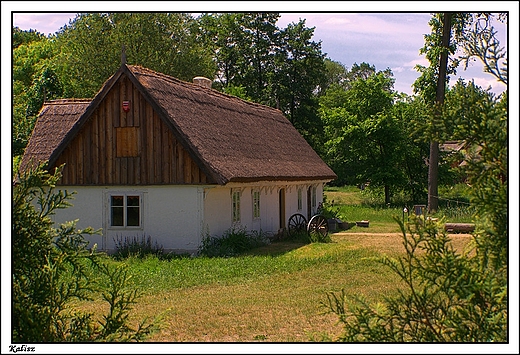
point(433, 178)
point(433, 167)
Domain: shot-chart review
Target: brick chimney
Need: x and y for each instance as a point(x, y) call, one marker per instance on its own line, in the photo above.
point(202, 81)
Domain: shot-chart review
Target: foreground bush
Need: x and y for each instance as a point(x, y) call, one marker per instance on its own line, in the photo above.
point(52, 268)
point(448, 296)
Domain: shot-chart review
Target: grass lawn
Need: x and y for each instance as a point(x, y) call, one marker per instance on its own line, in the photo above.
point(272, 294)
point(351, 205)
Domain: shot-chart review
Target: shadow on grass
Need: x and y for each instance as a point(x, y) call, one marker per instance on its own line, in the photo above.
point(276, 248)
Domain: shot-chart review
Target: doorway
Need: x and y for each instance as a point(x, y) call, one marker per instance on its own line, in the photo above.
point(281, 204)
point(309, 203)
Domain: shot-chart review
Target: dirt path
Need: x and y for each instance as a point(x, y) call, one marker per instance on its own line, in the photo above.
point(395, 234)
point(391, 241)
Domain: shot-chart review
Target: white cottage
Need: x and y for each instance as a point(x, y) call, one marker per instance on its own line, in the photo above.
point(154, 156)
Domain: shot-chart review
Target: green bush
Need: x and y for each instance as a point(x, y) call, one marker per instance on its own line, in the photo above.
point(234, 241)
point(448, 297)
point(52, 268)
point(136, 247)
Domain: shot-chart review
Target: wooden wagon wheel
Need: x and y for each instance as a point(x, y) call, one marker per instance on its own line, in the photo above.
point(318, 227)
point(297, 224)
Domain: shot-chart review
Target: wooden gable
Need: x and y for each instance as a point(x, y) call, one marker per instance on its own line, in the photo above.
point(114, 147)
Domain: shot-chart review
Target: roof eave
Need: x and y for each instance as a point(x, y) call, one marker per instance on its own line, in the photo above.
point(283, 178)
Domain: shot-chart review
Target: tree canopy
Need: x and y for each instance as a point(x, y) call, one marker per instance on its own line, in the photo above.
point(352, 116)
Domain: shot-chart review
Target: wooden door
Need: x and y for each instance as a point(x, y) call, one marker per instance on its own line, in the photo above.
point(281, 200)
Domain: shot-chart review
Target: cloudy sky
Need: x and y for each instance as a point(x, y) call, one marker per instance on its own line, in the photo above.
point(385, 39)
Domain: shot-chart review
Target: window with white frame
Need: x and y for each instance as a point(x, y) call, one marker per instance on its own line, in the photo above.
point(236, 206)
point(256, 204)
point(300, 199)
point(125, 210)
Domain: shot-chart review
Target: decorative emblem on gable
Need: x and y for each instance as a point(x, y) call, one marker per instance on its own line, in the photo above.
point(126, 105)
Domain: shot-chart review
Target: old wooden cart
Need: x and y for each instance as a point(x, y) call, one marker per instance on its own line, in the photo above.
point(317, 227)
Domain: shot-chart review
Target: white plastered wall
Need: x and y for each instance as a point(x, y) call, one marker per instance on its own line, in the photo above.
point(171, 215)
point(218, 213)
point(178, 217)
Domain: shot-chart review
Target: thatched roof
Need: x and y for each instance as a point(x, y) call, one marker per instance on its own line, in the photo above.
point(55, 120)
point(234, 139)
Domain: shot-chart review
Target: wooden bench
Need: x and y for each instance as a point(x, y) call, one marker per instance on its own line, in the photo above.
point(459, 227)
point(362, 224)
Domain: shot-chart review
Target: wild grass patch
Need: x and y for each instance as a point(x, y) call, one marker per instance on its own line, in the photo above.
point(271, 294)
point(234, 241)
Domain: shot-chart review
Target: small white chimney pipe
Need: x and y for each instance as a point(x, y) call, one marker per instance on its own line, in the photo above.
point(202, 81)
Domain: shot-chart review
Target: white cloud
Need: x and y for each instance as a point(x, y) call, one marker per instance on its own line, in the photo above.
point(46, 23)
point(420, 60)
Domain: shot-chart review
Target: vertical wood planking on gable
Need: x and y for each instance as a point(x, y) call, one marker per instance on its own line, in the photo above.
point(180, 164)
point(115, 106)
point(143, 150)
point(102, 145)
point(66, 170)
point(110, 124)
point(117, 148)
point(73, 153)
point(87, 163)
point(95, 148)
point(71, 165)
point(187, 167)
point(137, 170)
point(149, 144)
point(80, 155)
point(195, 172)
point(157, 148)
point(123, 170)
point(130, 171)
point(173, 154)
point(166, 161)
point(122, 96)
point(136, 105)
point(129, 97)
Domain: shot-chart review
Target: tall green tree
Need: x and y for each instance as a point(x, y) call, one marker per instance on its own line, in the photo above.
point(260, 35)
point(335, 74)
point(480, 119)
point(282, 68)
point(35, 79)
point(433, 162)
point(366, 136)
point(450, 296)
point(25, 37)
point(244, 45)
point(299, 71)
point(223, 34)
point(475, 36)
point(91, 47)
